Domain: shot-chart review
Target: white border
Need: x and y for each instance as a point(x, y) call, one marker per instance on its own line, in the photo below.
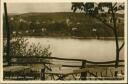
point(126, 37)
point(1, 42)
point(51, 1)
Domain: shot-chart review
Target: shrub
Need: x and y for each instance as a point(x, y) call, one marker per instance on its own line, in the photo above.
point(20, 46)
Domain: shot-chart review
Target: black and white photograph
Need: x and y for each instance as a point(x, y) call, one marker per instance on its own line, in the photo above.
point(65, 41)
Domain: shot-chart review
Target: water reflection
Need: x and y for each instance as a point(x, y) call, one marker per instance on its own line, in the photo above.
point(90, 49)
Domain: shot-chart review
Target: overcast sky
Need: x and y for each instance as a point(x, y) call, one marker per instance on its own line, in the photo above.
point(38, 7)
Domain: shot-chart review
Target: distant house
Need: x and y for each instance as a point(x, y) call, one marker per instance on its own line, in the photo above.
point(73, 29)
point(33, 30)
point(26, 31)
point(78, 23)
point(43, 29)
point(14, 32)
point(94, 29)
point(11, 18)
point(22, 20)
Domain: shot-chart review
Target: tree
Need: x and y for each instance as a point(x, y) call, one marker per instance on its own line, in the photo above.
point(8, 35)
point(98, 11)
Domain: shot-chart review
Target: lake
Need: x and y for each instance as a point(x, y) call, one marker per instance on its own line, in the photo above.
point(89, 49)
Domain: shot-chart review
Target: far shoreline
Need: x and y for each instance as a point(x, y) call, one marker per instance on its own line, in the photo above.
point(74, 37)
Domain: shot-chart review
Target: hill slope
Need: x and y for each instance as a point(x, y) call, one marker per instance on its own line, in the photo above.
point(61, 24)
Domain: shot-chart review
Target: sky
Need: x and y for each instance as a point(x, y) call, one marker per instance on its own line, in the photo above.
point(38, 7)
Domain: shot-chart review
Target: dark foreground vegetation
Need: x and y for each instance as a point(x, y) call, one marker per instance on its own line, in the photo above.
point(63, 24)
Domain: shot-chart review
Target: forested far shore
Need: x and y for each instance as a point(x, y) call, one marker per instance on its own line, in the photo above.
point(63, 24)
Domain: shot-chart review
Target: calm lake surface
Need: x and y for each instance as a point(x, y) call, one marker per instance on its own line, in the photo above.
point(89, 49)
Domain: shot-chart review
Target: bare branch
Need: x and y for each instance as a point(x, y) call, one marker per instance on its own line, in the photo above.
point(104, 23)
point(114, 5)
point(121, 46)
point(48, 68)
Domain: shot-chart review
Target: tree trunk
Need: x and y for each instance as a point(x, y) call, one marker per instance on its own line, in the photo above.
point(8, 57)
point(116, 40)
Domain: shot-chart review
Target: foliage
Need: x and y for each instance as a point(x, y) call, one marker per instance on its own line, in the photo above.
point(56, 25)
point(20, 46)
point(93, 9)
